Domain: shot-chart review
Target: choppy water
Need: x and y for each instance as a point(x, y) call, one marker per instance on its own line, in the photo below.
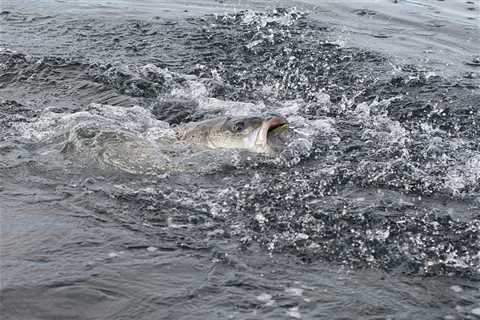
point(372, 211)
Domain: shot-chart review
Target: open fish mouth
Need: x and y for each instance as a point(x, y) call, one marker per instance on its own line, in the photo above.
point(271, 127)
point(275, 124)
point(275, 129)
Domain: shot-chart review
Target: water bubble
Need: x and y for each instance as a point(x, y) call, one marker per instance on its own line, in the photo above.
point(266, 298)
point(476, 311)
point(294, 313)
point(294, 291)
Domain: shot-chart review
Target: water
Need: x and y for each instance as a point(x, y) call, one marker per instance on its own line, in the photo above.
point(372, 211)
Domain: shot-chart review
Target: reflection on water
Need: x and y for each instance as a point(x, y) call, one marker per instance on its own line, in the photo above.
point(371, 210)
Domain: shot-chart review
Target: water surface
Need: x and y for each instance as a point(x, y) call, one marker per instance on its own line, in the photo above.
point(372, 211)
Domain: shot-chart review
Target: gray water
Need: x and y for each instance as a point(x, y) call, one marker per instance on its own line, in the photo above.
point(372, 211)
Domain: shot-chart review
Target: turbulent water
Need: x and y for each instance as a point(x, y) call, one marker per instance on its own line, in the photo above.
point(371, 211)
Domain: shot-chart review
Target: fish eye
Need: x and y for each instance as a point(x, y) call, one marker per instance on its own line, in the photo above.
point(238, 126)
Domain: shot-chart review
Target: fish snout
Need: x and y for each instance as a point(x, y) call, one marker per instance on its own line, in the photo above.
point(269, 125)
point(275, 122)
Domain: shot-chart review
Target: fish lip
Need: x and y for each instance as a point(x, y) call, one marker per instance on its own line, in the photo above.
point(275, 122)
point(267, 126)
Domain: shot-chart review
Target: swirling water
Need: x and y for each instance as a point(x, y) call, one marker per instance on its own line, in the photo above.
point(372, 211)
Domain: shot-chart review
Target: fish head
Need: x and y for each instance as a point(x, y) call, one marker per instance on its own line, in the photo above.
point(256, 134)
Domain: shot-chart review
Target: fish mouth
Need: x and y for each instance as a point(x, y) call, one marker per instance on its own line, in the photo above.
point(275, 123)
point(270, 127)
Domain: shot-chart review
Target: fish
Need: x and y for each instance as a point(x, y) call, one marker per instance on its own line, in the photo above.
point(178, 148)
point(254, 133)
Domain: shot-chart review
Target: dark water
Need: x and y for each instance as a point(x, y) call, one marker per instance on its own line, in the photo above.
point(371, 212)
